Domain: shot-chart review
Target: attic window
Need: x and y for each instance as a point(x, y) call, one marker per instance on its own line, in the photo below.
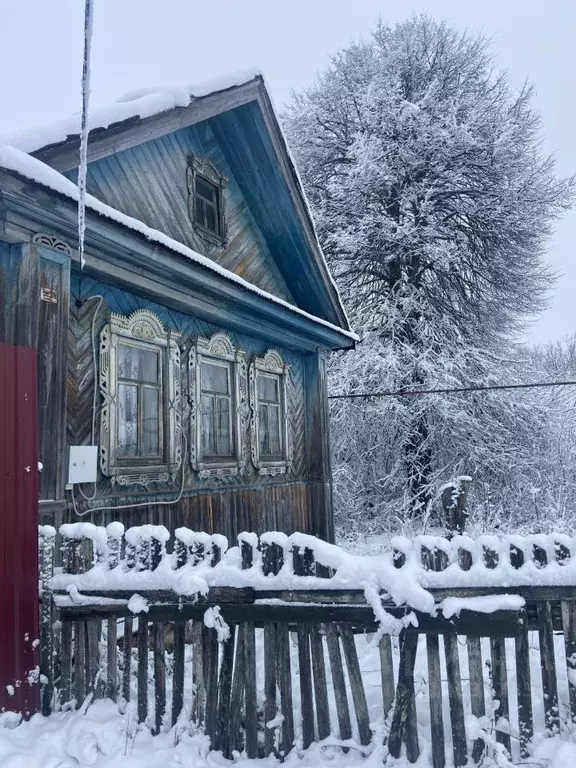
point(206, 200)
point(206, 204)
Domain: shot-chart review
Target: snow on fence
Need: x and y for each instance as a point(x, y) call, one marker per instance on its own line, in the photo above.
point(272, 627)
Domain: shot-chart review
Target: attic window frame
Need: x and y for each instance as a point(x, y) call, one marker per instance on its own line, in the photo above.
point(205, 170)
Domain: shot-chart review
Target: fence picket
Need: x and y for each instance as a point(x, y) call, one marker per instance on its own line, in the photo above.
point(455, 699)
point(179, 631)
point(477, 699)
point(338, 682)
point(435, 695)
point(524, 690)
point(500, 685)
point(549, 683)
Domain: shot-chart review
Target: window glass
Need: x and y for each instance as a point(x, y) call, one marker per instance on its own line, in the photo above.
point(127, 420)
point(150, 422)
point(223, 441)
point(205, 189)
point(207, 418)
point(274, 430)
point(268, 388)
point(215, 378)
point(137, 364)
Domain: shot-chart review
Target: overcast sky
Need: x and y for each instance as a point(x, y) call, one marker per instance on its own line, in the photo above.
point(163, 42)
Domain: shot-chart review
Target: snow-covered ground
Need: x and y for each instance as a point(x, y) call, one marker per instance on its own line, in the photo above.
point(105, 735)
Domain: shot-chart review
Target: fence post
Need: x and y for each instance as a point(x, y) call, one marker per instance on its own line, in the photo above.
point(46, 542)
point(454, 503)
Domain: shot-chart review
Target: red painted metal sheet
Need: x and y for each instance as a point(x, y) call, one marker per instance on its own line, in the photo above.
point(19, 606)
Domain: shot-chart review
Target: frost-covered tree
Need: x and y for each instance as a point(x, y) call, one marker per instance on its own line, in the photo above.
point(433, 200)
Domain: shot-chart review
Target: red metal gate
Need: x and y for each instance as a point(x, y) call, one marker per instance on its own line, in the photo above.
point(19, 688)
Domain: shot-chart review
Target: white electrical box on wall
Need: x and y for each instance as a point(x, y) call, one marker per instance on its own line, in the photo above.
point(83, 466)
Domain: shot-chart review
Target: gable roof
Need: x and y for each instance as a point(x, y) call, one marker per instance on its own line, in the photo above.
point(32, 169)
point(246, 125)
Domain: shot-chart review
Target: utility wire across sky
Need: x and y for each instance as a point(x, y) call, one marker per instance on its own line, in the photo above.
point(449, 390)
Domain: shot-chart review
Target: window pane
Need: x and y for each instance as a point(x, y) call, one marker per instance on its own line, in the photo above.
point(199, 211)
point(211, 218)
point(137, 364)
point(127, 420)
point(205, 189)
point(268, 389)
point(223, 437)
point(263, 429)
point(150, 422)
point(215, 378)
point(274, 430)
point(207, 425)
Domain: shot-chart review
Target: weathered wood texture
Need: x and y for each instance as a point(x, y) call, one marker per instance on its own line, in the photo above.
point(300, 500)
point(54, 277)
point(149, 183)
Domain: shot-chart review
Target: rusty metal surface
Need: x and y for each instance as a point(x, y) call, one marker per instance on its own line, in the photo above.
point(18, 529)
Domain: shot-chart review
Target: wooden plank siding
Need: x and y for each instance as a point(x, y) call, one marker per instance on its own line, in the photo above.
point(229, 505)
point(149, 183)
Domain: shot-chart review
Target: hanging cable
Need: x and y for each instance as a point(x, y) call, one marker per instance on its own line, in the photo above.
point(95, 388)
point(449, 390)
point(141, 503)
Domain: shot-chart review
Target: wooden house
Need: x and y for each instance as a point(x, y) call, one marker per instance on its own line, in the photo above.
point(191, 348)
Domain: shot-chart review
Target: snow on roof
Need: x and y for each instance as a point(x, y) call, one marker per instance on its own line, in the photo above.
point(13, 159)
point(142, 103)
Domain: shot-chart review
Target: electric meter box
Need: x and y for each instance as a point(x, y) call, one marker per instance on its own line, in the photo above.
point(83, 466)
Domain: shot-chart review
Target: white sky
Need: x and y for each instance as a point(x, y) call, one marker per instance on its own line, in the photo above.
point(162, 42)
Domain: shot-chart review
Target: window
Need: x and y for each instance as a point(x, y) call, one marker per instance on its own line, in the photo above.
point(206, 200)
point(271, 448)
point(206, 204)
point(140, 426)
point(219, 406)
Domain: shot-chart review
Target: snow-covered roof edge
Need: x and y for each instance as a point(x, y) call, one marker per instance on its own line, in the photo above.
point(305, 200)
point(142, 103)
point(12, 159)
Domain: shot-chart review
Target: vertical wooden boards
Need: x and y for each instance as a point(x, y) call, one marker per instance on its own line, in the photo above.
point(320, 687)
point(178, 670)
point(127, 657)
point(549, 683)
point(237, 695)
point(435, 695)
point(403, 727)
point(477, 699)
point(306, 704)
point(66, 662)
point(112, 658)
point(284, 675)
point(158, 643)
point(222, 736)
point(93, 630)
point(54, 278)
point(198, 673)
point(569, 626)
point(500, 685)
point(356, 684)
point(455, 698)
point(524, 690)
point(211, 655)
point(250, 690)
point(142, 669)
point(318, 445)
point(338, 682)
point(269, 685)
point(387, 674)
point(79, 662)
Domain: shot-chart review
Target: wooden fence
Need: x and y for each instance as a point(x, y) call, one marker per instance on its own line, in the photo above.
point(269, 666)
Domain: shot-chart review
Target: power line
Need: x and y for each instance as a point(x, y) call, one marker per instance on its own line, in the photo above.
point(448, 390)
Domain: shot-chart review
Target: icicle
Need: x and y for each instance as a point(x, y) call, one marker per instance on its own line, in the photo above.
point(82, 168)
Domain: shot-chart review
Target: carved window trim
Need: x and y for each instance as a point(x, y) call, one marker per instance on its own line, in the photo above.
point(206, 170)
point(216, 349)
point(272, 362)
point(141, 328)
